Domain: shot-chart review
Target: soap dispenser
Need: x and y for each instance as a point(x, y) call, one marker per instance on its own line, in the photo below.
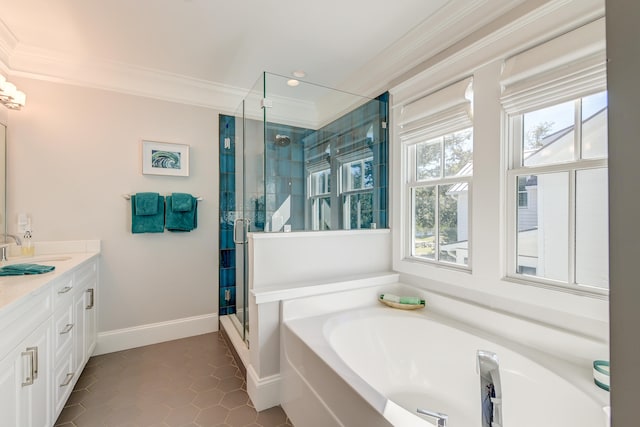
point(27, 245)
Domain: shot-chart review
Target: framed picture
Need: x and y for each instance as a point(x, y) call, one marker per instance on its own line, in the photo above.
point(163, 158)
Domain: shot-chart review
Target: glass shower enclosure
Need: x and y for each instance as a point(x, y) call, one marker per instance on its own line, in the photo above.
point(297, 156)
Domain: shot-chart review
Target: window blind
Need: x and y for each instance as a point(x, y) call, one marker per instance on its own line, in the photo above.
point(445, 111)
point(560, 70)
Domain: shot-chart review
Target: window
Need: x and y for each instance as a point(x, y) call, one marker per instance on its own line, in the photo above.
point(320, 196)
point(357, 191)
point(438, 135)
point(557, 177)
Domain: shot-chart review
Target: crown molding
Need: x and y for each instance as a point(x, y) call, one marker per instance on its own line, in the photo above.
point(424, 41)
point(40, 64)
point(8, 43)
point(428, 55)
point(519, 30)
point(431, 37)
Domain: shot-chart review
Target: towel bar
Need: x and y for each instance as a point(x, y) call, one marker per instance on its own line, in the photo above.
point(128, 196)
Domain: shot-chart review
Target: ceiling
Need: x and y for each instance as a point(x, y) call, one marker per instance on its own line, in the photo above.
point(191, 50)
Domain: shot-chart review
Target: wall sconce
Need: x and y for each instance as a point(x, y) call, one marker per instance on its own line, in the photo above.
point(10, 96)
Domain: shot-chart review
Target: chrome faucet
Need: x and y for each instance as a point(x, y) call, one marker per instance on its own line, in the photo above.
point(4, 246)
point(442, 418)
point(488, 368)
point(14, 237)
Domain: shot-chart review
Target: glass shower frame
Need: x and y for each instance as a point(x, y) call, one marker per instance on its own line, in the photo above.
point(288, 135)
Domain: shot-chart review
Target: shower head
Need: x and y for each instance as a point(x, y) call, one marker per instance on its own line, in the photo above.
point(282, 140)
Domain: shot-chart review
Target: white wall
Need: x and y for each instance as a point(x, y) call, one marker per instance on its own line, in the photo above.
point(73, 152)
point(483, 58)
point(288, 262)
point(297, 259)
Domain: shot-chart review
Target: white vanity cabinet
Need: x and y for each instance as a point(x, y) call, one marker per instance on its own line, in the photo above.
point(46, 338)
point(25, 363)
point(75, 329)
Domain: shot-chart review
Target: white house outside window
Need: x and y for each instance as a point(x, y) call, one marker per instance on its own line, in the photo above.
point(557, 178)
point(437, 132)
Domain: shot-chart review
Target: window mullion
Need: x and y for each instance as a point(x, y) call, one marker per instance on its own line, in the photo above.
point(512, 221)
point(437, 224)
point(516, 158)
point(572, 227)
point(442, 159)
point(412, 221)
point(561, 167)
point(577, 140)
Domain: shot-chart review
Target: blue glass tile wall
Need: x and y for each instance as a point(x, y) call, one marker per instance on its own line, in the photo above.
point(227, 251)
point(285, 177)
point(364, 130)
point(284, 173)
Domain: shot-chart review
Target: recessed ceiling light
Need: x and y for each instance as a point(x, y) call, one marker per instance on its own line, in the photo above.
point(299, 74)
point(293, 82)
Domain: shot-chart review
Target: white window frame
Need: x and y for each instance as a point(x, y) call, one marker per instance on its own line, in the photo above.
point(347, 190)
point(315, 198)
point(414, 183)
point(437, 115)
point(568, 68)
point(516, 168)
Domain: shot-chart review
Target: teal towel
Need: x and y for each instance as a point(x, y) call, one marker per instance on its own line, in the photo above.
point(146, 203)
point(22, 269)
point(181, 221)
point(181, 202)
point(147, 223)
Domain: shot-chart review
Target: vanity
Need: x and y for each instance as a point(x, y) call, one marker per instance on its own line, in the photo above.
point(47, 332)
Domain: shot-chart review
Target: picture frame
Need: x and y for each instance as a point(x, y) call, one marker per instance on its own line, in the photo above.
point(165, 158)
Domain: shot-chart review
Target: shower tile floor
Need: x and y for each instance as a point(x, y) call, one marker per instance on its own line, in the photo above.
point(191, 382)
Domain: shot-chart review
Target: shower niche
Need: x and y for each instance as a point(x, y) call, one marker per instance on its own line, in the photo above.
point(297, 158)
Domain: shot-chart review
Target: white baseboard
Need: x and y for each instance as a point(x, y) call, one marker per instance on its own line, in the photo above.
point(264, 392)
point(153, 333)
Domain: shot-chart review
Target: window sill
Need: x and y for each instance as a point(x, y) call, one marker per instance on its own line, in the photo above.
point(586, 291)
point(437, 264)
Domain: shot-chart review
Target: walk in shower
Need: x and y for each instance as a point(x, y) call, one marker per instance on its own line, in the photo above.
point(297, 156)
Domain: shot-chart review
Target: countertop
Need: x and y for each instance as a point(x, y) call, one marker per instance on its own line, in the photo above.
point(64, 256)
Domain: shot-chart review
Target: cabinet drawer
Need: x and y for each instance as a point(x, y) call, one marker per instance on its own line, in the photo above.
point(63, 290)
point(63, 330)
point(63, 382)
point(19, 321)
point(85, 274)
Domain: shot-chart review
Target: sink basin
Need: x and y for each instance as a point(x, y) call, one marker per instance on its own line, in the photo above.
point(36, 259)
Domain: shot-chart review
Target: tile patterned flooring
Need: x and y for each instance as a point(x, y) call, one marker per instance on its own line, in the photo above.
point(191, 382)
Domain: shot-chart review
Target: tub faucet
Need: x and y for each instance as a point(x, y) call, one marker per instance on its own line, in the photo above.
point(488, 368)
point(442, 418)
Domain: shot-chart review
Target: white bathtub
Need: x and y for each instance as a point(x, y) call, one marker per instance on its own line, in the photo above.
point(375, 366)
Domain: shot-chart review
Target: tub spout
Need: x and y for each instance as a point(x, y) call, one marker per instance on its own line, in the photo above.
point(488, 367)
point(442, 418)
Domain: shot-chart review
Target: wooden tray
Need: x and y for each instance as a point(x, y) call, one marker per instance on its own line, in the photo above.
point(401, 306)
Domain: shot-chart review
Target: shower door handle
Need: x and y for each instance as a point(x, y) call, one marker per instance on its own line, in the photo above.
point(245, 230)
point(235, 232)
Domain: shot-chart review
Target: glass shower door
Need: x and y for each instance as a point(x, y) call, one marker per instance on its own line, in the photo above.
point(249, 192)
